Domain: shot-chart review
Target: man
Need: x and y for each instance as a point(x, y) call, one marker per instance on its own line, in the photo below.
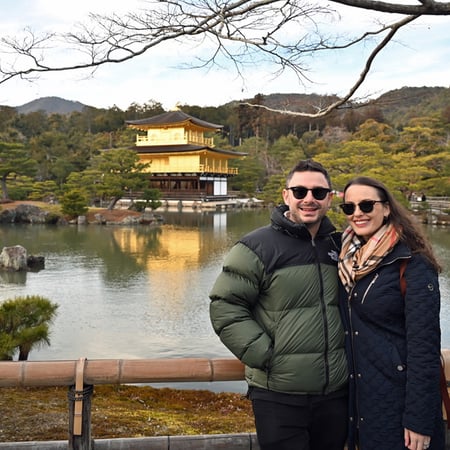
point(275, 306)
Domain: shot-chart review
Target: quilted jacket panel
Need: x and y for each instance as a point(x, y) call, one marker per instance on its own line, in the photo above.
point(394, 343)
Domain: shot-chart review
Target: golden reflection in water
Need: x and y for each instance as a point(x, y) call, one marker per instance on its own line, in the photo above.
point(175, 249)
point(171, 262)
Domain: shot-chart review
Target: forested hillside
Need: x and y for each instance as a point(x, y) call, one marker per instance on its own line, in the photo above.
point(402, 137)
point(395, 106)
point(51, 105)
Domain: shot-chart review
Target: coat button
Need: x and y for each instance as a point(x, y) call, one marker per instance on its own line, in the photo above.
point(400, 368)
point(359, 375)
point(356, 333)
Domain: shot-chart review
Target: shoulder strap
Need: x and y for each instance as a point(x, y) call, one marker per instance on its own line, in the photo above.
point(402, 278)
point(444, 393)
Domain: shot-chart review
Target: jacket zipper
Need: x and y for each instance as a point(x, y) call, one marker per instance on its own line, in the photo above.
point(349, 309)
point(354, 368)
point(355, 374)
point(368, 287)
point(324, 317)
point(375, 279)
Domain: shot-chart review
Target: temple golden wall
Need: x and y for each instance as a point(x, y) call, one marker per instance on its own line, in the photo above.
point(185, 163)
point(166, 136)
point(173, 136)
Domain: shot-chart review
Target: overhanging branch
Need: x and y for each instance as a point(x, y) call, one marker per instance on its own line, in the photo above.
point(336, 105)
point(428, 7)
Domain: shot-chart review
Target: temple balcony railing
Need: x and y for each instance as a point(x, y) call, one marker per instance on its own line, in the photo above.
point(186, 170)
point(206, 168)
point(144, 141)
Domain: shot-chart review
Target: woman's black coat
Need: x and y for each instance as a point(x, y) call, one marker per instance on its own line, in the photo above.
point(393, 347)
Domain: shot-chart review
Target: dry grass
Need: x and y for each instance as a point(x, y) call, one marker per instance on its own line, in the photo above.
point(40, 414)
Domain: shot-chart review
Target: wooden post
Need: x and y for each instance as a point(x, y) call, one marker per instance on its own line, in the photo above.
point(80, 434)
point(80, 410)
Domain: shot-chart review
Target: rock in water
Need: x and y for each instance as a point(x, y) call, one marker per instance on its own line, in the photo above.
point(14, 258)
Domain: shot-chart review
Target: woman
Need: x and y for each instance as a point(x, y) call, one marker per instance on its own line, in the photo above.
point(393, 338)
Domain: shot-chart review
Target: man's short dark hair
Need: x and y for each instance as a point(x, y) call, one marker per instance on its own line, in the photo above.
point(308, 165)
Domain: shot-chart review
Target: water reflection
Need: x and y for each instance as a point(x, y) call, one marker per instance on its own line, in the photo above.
point(440, 238)
point(7, 277)
point(140, 292)
point(129, 292)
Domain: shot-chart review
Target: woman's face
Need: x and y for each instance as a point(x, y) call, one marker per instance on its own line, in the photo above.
point(365, 224)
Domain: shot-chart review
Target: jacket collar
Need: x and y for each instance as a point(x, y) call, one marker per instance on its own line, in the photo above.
point(282, 223)
point(400, 251)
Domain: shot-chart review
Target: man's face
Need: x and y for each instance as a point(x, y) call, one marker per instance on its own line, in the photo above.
point(308, 210)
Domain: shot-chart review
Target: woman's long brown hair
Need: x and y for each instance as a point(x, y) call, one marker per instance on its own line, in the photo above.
point(410, 231)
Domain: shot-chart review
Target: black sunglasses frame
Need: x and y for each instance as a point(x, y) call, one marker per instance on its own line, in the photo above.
point(300, 192)
point(366, 206)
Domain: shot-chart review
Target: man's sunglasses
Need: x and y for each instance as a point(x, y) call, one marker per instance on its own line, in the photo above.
point(366, 206)
point(300, 192)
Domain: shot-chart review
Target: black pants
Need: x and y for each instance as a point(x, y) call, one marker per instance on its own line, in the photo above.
point(320, 424)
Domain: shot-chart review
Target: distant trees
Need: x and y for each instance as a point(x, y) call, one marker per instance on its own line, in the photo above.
point(24, 325)
point(74, 203)
point(150, 198)
point(14, 160)
point(112, 175)
point(56, 157)
point(416, 159)
point(149, 109)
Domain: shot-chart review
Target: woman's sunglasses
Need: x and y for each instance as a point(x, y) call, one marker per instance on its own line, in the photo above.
point(300, 192)
point(366, 206)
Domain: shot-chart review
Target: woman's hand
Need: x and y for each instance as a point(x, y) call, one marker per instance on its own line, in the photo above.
point(415, 441)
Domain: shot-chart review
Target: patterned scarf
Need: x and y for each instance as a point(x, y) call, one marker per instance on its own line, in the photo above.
point(359, 258)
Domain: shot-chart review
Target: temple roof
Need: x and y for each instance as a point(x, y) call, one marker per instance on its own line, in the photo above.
point(172, 118)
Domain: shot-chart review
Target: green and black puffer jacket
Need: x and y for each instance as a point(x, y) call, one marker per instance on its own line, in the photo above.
point(275, 307)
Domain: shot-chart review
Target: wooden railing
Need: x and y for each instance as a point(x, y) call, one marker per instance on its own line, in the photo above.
point(81, 375)
point(205, 168)
point(118, 371)
point(188, 138)
point(437, 204)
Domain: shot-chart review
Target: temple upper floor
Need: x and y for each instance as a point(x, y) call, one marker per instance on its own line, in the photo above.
point(173, 136)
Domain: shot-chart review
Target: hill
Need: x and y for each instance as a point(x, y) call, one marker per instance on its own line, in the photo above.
point(400, 105)
point(396, 106)
point(295, 102)
point(51, 105)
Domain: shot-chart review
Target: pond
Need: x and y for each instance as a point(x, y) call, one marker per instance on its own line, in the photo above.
point(142, 292)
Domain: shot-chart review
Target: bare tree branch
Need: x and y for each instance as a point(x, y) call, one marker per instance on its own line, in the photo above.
point(282, 33)
point(427, 7)
point(336, 105)
point(240, 30)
